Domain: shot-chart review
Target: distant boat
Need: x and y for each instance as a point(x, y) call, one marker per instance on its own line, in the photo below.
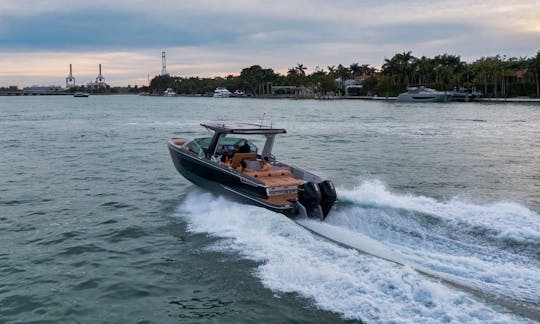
point(463, 95)
point(222, 93)
point(169, 93)
point(81, 94)
point(423, 94)
point(238, 93)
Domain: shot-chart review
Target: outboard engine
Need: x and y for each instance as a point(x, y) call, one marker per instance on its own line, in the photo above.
point(328, 196)
point(309, 196)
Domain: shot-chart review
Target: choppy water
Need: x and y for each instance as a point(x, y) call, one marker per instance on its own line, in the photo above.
point(97, 226)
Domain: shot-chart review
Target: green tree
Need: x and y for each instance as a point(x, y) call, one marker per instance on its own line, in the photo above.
point(257, 80)
point(332, 71)
point(534, 65)
point(355, 69)
point(301, 70)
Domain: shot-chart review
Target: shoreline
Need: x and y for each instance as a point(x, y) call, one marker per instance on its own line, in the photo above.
point(491, 100)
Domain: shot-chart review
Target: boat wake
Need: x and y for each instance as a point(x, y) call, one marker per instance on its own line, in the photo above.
point(494, 248)
point(397, 236)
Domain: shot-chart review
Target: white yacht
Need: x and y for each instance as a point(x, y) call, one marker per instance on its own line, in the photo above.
point(169, 93)
point(222, 93)
point(239, 93)
point(423, 94)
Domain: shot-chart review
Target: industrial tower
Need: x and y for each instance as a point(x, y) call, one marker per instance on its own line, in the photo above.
point(163, 65)
point(100, 78)
point(70, 80)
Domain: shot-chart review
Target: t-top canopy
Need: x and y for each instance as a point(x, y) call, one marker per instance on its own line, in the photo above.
point(243, 128)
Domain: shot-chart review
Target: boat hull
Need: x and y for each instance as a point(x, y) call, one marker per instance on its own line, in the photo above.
point(406, 97)
point(227, 182)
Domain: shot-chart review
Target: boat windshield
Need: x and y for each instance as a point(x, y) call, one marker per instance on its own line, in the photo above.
point(228, 143)
point(194, 147)
point(224, 144)
point(203, 142)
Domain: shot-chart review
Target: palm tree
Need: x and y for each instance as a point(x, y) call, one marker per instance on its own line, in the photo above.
point(355, 69)
point(366, 69)
point(255, 78)
point(535, 67)
point(390, 68)
point(343, 72)
point(332, 70)
point(424, 68)
point(405, 59)
point(294, 77)
point(291, 71)
point(301, 70)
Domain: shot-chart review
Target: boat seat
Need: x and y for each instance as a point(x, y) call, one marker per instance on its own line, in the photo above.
point(238, 157)
point(179, 142)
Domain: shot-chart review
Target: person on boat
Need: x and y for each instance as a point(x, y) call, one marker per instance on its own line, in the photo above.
point(244, 167)
point(245, 148)
point(265, 164)
point(225, 160)
point(235, 150)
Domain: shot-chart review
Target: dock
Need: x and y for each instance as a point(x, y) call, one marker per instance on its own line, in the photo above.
point(27, 93)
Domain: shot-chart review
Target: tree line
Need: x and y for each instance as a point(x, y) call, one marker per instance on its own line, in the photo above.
point(494, 76)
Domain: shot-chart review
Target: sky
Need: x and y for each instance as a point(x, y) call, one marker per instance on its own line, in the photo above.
point(207, 38)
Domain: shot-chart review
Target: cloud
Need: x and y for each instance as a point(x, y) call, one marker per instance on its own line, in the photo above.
point(209, 38)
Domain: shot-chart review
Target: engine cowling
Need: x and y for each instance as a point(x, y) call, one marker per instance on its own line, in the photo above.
point(310, 197)
point(328, 196)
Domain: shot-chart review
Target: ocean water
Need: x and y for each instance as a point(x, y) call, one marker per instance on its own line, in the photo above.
point(441, 201)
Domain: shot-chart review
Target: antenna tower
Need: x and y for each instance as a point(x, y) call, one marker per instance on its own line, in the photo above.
point(164, 65)
point(100, 78)
point(70, 80)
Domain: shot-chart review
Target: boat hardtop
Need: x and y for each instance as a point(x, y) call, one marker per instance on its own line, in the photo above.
point(218, 163)
point(222, 130)
point(243, 128)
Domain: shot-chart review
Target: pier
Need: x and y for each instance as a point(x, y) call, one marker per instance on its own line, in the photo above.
point(34, 93)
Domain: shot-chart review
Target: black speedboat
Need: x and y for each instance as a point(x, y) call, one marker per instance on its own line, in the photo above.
point(285, 189)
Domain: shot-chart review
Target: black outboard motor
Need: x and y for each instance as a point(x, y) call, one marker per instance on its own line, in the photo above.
point(309, 196)
point(328, 196)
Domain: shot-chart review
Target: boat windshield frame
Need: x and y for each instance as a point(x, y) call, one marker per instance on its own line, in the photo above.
point(243, 129)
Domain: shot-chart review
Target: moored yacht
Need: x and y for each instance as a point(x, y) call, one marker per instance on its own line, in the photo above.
point(423, 94)
point(281, 187)
point(239, 93)
point(463, 95)
point(221, 93)
point(169, 93)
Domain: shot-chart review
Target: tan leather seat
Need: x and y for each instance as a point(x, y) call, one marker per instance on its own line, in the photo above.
point(242, 156)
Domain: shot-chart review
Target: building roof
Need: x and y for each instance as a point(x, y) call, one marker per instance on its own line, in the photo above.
point(520, 74)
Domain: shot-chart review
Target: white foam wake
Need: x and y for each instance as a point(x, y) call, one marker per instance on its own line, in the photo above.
point(500, 219)
point(335, 278)
point(446, 248)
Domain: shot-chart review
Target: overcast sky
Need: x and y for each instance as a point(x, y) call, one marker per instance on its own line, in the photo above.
point(39, 39)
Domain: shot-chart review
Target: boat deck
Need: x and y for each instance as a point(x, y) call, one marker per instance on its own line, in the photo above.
point(282, 199)
point(281, 180)
point(276, 178)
